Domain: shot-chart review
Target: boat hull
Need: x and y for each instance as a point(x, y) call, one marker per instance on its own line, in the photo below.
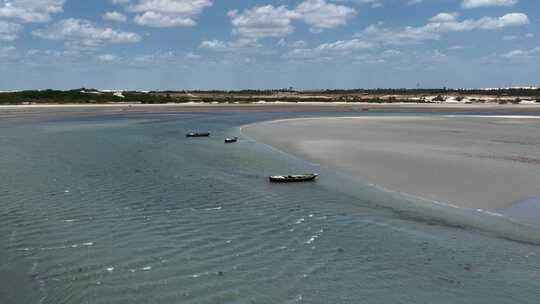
point(201, 134)
point(293, 178)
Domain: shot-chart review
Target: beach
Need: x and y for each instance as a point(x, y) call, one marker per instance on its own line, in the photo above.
point(479, 162)
point(274, 107)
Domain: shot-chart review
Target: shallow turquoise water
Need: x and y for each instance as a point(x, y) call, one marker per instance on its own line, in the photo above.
point(125, 209)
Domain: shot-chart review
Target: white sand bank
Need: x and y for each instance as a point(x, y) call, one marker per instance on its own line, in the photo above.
point(475, 162)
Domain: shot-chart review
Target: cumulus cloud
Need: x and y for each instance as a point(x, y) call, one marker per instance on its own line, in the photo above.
point(114, 17)
point(30, 11)
point(485, 3)
point(165, 13)
point(276, 21)
point(321, 15)
point(438, 25)
point(444, 17)
point(263, 21)
point(8, 31)
point(83, 33)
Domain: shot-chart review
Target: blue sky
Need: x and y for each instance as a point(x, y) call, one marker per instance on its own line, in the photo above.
point(306, 44)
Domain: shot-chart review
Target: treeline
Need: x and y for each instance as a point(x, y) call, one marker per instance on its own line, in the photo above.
point(89, 96)
point(79, 96)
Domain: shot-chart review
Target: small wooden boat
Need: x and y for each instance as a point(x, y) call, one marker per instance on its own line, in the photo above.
point(230, 140)
point(293, 178)
point(198, 134)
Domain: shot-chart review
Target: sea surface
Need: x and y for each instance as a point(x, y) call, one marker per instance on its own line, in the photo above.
point(125, 209)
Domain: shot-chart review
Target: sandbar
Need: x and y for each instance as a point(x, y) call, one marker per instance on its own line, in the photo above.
point(480, 162)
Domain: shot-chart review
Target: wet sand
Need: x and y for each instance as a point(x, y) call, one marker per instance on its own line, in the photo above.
point(480, 162)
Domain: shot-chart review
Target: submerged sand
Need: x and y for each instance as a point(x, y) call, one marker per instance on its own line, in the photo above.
point(481, 162)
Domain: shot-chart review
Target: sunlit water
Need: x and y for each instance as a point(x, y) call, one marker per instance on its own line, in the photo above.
point(125, 209)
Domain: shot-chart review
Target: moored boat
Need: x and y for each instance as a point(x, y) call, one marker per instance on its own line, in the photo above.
point(230, 140)
point(198, 134)
point(293, 178)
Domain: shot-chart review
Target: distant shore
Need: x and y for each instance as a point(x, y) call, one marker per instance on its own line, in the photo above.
point(282, 106)
point(480, 162)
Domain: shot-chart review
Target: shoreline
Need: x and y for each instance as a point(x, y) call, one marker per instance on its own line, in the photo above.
point(450, 170)
point(276, 103)
point(89, 109)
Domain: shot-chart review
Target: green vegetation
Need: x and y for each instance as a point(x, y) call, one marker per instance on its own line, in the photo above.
point(92, 96)
point(79, 96)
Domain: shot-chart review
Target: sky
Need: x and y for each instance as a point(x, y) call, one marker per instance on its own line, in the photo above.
point(268, 44)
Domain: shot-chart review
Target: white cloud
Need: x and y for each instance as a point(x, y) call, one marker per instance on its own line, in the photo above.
point(371, 3)
point(291, 44)
point(485, 3)
point(108, 58)
point(154, 19)
point(328, 50)
point(522, 54)
point(162, 59)
point(457, 47)
point(114, 17)
point(82, 33)
point(321, 15)
point(159, 58)
point(439, 24)
point(344, 46)
point(276, 21)
point(444, 17)
point(263, 21)
point(8, 31)
point(166, 13)
point(30, 11)
point(241, 45)
point(407, 35)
